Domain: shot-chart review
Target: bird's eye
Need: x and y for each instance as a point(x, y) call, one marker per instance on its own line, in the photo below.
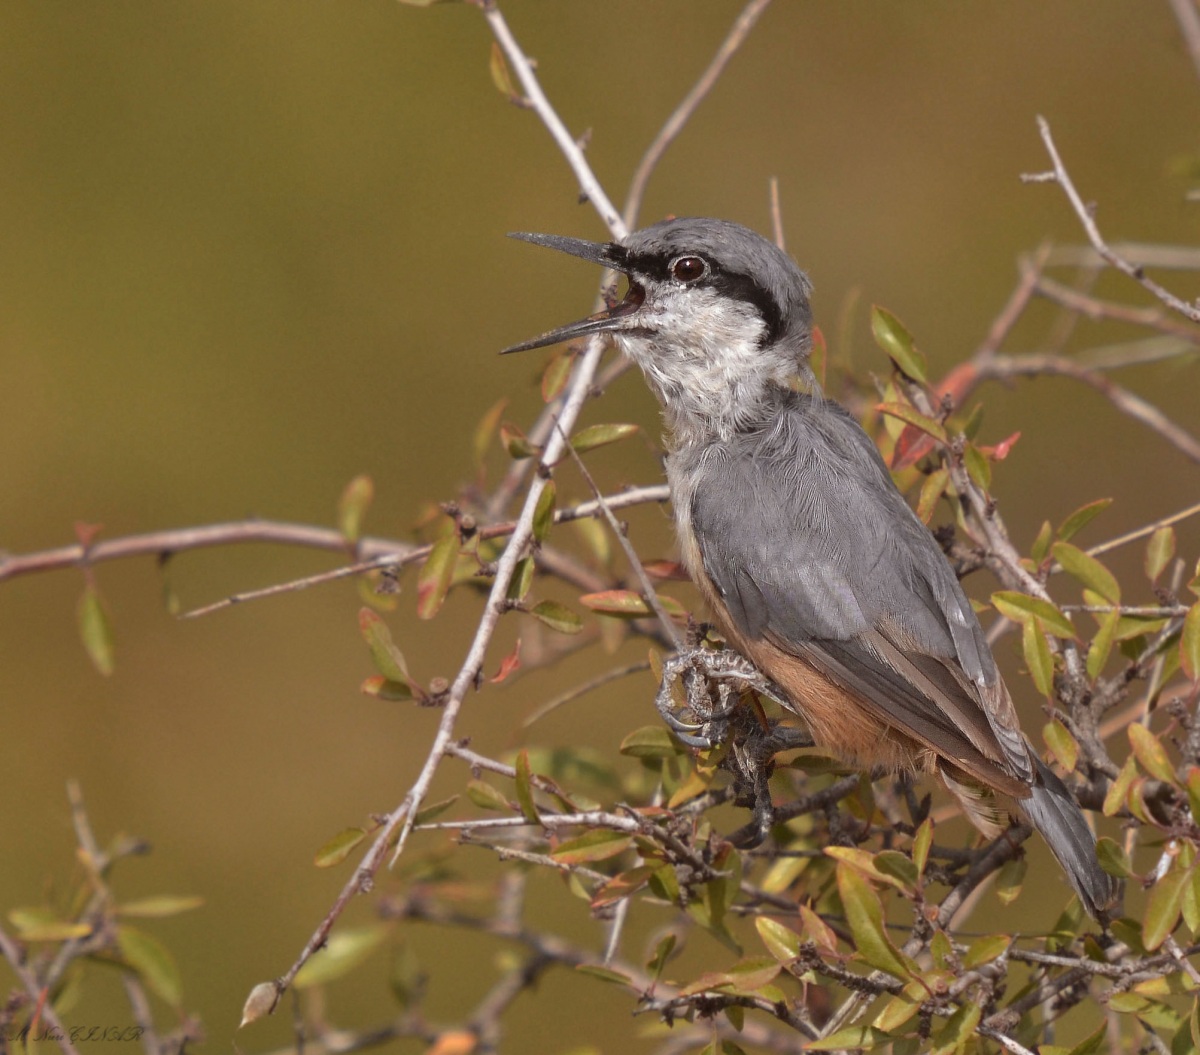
point(688, 268)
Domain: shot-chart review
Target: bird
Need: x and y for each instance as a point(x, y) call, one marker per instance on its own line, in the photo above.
point(815, 568)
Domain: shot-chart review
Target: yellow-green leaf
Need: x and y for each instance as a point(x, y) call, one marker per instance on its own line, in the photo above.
point(1089, 571)
point(556, 375)
point(1081, 518)
point(1151, 754)
point(1159, 551)
point(979, 469)
point(388, 659)
point(42, 924)
point(515, 442)
point(1163, 907)
point(1189, 643)
point(1009, 880)
point(864, 913)
point(498, 68)
point(1102, 644)
point(985, 950)
point(931, 492)
point(922, 841)
point(160, 907)
point(521, 580)
point(604, 973)
point(865, 1038)
point(153, 963)
point(782, 942)
point(895, 340)
point(1021, 608)
point(627, 604)
point(911, 416)
point(1061, 743)
point(433, 580)
point(1041, 545)
point(95, 630)
point(1118, 790)
point(594, 436)
point(1037, 655)
point(339, 847)
point(353, 504)
point(344, 951)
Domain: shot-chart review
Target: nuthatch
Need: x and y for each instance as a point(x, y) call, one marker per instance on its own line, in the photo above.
point(816, 569)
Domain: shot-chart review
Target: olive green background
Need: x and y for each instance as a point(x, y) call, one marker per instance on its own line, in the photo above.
point(251, 249)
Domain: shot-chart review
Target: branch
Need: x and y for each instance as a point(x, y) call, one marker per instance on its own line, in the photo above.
point(1136, 272)
point(683, 112)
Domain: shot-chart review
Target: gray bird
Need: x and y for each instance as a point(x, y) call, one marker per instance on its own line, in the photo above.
point(816, 569)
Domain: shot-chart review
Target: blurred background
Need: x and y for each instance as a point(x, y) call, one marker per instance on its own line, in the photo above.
point(254, 249)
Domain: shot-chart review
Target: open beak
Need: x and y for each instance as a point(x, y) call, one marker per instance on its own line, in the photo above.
point(606, 254)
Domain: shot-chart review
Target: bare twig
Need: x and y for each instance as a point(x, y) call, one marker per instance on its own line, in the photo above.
point(1136, 272)
point(683, 112)
point(1189, 27)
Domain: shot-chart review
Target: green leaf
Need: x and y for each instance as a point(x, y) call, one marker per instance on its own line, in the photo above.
point(1112, 858)
point(42, 924)
point(897, 343)
point(543, 514)
point(1163, 906)
point(514, 442)
point(979, 469)
point(161, 906)
point(922, 841)
point(498, 68)
point(782, 942)
point(1102, 644)
point(433, 580)
point(383, 689)
point(1081, 518)
point(1189, 643)
point(650, 741)
point(662, 953)
point(1041, 545)
point(1021, 608)
point(1009, 880)
point(604, 974)
point(353, 504)
point(865, 1038)
point(1037, 656)
point(1089, 571)
point(153, 963)
point(985, 950)
point(911, 416)
point(588, 439)
point(524, 786)
point(344, 951)
point(486, 797)
point(1151, 754)
point(597, 845)
point(388, 659)
point(864, 913)
point(1118, 790)
point(339, 847)
point(557, 617)
point(95, 630)
point(931, 493)
point(1159, 551)
point(1061, 743)
point(522, 579)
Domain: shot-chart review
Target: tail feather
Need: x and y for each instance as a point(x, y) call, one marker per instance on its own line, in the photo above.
point(1052, 810)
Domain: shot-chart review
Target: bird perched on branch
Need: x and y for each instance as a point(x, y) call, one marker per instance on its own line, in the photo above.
point(816, 569)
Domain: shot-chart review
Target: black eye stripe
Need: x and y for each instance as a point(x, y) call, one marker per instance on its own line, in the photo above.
point(657, 268)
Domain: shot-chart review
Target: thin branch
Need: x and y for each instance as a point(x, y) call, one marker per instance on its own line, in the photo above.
point(683, 112)
point(1189, 27)
point(394, 834)
point(649, 594)
point(1128, 403)
point(1136, 272)
point(1145, 531)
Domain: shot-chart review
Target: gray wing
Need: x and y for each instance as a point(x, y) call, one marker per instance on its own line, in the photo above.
point(810, 545)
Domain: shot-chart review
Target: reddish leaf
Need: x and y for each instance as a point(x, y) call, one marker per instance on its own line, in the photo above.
point(508, 664)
